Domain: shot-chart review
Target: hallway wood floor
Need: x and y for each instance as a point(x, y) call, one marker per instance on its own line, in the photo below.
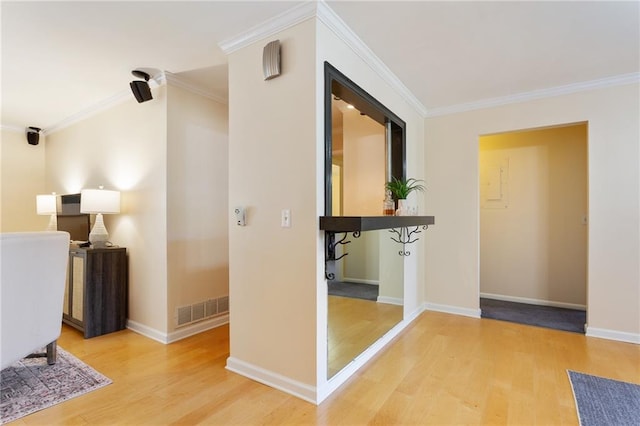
point(442, 370)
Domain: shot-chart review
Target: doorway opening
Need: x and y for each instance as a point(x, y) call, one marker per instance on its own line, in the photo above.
point(533, 226)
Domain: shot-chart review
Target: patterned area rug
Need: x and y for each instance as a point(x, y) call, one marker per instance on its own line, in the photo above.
point(605, 402)
point(31, 385)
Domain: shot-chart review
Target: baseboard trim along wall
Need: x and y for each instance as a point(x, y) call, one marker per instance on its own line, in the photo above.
point(529, 301)
point(198, 327)
point(455, 310)
point(349, 370)
point(180, 334)
point(620, 336)
point(274, 380)
point(146, 331)
point(390, 300)
point(359, 280)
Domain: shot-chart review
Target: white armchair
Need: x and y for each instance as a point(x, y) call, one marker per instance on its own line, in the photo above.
point(33, 273)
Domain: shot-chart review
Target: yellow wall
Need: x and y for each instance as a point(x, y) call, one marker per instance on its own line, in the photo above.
point(533, 242)
point(451, 156)
point(21, 179)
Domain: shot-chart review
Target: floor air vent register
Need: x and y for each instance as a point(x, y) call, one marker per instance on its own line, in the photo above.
point(200, 311)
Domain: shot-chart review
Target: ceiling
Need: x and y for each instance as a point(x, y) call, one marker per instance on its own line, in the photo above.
point(62, 58)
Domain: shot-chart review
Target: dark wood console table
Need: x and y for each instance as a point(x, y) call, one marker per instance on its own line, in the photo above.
point(96, 292)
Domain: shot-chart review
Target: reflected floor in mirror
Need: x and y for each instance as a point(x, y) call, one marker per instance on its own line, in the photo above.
point(354, 325)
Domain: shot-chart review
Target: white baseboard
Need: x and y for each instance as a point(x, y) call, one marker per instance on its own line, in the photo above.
point(360, 281)
point(529, 301)
point(620, 336)
point(180, 334)
point(275, 380)
point(350, 369)
point(146, 331)
point(390, 300)
point(456, 310)
point(198, 327)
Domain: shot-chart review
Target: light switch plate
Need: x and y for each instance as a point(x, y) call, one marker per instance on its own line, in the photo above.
point(286, 218)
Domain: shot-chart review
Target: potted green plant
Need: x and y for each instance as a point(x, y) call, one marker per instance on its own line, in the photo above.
point(401, 188)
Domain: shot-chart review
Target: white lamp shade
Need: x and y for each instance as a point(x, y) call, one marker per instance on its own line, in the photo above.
point(46, 204)
point(99, 201)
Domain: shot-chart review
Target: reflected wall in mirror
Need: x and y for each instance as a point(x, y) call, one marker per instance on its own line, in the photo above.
point(364, 148)
point(365, 299)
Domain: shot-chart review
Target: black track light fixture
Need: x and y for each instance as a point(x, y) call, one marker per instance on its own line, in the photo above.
point(141, 89)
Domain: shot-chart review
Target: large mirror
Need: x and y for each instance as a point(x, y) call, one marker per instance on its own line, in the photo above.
point(365, 145)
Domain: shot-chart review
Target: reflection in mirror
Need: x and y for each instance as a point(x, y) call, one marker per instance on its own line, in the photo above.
point(365, 299)
point(375, 147)
point(364, 148)
point(358, 162)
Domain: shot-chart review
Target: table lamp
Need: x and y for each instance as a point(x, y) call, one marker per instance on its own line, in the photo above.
point(46, 205)
point(99, 202)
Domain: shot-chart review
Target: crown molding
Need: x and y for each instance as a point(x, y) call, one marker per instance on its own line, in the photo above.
point(601, 83)
point(183, 83)
point(328, 17)
point(103, 105)
point(278, 23)
point(12, 128)
point(160, 79)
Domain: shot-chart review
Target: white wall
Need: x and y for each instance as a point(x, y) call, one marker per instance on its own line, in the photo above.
point(168, 157)
point(197, 200)
point(273, 166)
point(124, 148)
point(533, 241)
point(21, 179)
point(451, 157)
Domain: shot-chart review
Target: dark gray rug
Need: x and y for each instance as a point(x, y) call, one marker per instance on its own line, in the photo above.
point(355, 290)
point(31, 385)
point(605, 402)
point(541, 316)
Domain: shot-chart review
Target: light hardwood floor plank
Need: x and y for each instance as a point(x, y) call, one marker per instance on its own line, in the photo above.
point(442, 370)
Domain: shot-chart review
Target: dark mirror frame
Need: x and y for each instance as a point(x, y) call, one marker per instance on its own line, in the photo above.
point(338, 84)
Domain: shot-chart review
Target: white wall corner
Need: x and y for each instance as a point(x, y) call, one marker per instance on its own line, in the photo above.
point(149, 332)
point(199, 327)
point(327, 16)
point(390, 300)
point(455, 310)
point(183, 83)
point(274, 380)
point(620, 336)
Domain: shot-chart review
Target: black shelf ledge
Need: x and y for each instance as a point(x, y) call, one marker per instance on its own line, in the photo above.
point(371, 223)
